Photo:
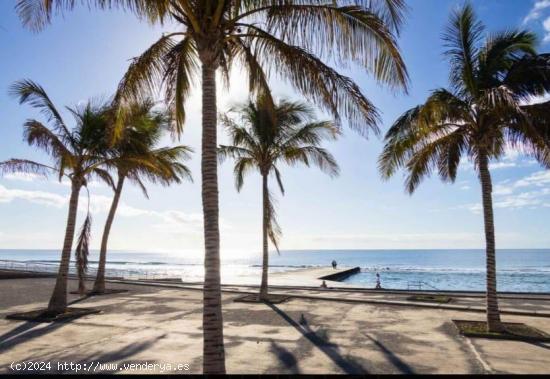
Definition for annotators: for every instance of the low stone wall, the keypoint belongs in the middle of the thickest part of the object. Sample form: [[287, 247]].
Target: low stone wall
[[14, 274], [341, 275]]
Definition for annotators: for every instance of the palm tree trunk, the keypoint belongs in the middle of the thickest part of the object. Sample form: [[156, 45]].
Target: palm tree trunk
[[265, 258], [212, 322], [58, 301], [99, 285], [493, 314]]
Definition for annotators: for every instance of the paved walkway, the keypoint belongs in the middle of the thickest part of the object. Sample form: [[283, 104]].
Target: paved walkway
[[162, 325], [527, 305]]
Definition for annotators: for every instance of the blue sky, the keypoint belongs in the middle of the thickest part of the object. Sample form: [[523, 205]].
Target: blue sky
[[85, 54]]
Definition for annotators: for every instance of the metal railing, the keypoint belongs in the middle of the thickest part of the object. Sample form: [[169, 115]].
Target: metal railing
[[417, 285], [52, 268]]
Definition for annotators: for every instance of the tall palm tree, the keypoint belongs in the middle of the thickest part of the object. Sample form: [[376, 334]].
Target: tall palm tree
[[294, 40], [136, 157], [261, 139], [74, 157], [479, 116]]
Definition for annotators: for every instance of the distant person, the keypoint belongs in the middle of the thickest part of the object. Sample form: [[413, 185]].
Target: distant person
[[324, 284], [334, 264], [378, 285]]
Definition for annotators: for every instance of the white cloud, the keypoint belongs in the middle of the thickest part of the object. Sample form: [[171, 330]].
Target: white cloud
[[546, 26], [38, 197], [537, 10], [23, 176], [170, 220], [511, 158], [531, 191]]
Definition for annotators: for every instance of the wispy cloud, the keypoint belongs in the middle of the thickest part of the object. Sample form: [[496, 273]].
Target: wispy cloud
[[23, 177], [169, 220], [537, 11], [512, 159], [530, 192], [38, 197]]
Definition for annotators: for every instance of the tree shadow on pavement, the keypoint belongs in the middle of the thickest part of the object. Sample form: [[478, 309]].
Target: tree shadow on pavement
[[403, 367], [286, 358], [321, 342]]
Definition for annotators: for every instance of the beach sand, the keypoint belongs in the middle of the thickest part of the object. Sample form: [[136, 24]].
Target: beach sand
[[161, 325]]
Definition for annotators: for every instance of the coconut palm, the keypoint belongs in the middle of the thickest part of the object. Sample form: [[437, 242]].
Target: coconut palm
[[294, 40], [261, 141], [136, 157], [73, 157], [481, 115]]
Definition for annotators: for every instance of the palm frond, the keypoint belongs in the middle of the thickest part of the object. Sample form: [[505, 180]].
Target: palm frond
[[529, 76], [143, 79], [37, 14], [82, 252], [180, 68], [274, 231], [29, 92], [104, 176], [37, 134], [333, 92], [243, 165], [352, 33], [234, 152], [279, 179], [25, 166], [501, 52], [312, 155], [462, 38]]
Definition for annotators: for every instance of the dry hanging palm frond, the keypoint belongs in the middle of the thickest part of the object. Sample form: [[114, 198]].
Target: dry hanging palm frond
[[82, 251], [273, 229]]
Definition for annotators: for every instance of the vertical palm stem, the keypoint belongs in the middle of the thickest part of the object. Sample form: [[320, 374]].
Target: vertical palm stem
[[493, 315], [99, 285], [213, 347], [58, 300], [265, 225]]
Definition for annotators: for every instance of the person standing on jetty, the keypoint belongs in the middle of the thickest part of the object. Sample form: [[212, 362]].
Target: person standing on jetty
[[334, 264]]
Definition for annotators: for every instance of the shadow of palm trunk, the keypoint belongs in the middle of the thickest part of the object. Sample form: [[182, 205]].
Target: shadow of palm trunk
[[329, 349]]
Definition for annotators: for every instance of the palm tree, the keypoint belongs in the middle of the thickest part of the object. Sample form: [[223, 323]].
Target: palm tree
[[260, 142], [478, 117], [135, 157], [74, 157], [291, 39]]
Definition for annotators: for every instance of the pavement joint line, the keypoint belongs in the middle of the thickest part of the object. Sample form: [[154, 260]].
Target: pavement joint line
[[466, 308], [478, 356]]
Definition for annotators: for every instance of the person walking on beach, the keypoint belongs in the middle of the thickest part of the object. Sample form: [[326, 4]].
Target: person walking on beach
[[334, 264], [378, 285]]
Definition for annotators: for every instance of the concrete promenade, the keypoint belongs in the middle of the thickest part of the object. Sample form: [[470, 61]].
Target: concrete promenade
[[156, 328]]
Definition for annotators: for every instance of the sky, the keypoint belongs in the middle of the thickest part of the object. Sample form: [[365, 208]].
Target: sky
[[84, 55]]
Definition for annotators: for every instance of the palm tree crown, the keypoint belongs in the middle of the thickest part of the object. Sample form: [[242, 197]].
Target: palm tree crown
[[74, 153], [481, 113], [260, 142], [136, 157]]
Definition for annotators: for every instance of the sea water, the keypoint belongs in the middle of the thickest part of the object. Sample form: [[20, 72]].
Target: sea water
[[519, 270]]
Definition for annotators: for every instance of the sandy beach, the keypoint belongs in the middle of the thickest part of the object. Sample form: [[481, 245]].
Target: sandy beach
[[155, 329]]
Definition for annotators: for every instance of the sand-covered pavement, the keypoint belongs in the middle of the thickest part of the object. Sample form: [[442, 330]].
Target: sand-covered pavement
[[149, 328]]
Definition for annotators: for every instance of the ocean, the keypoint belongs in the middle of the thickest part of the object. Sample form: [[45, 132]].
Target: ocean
[[518, 270]]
